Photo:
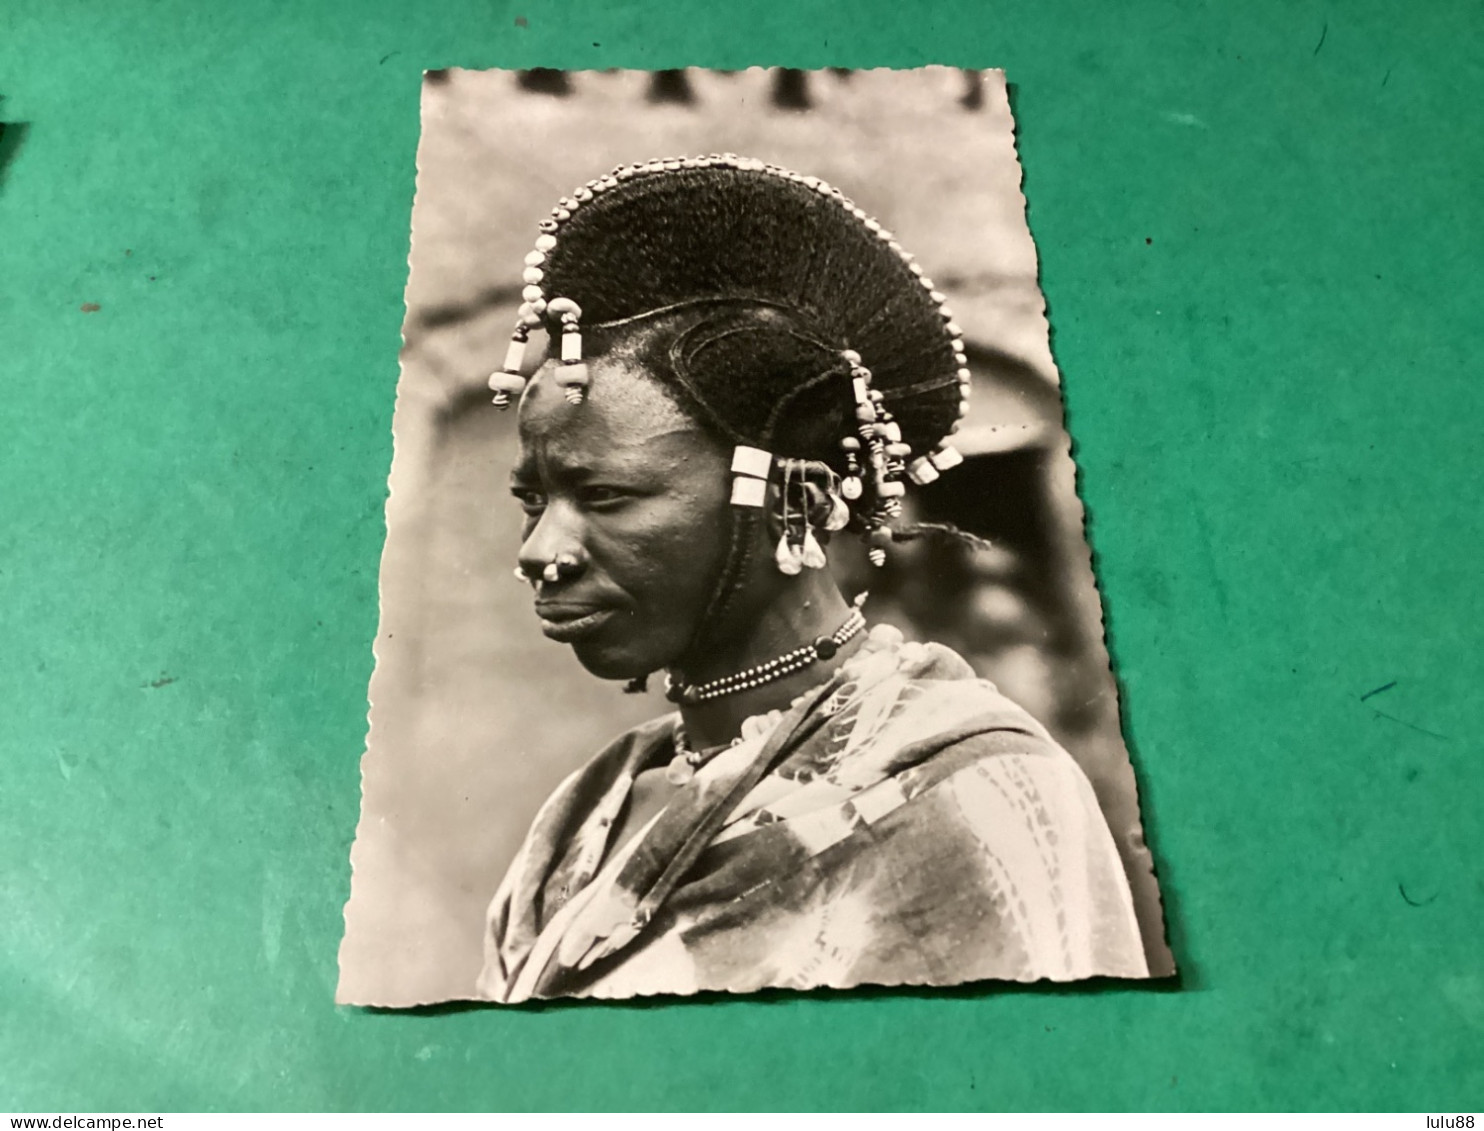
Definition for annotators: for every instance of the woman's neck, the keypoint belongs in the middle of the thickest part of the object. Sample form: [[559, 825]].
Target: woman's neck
[[809, 609]]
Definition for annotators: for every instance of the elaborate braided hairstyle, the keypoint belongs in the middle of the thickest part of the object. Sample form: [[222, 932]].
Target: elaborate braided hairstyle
[[777, 313]]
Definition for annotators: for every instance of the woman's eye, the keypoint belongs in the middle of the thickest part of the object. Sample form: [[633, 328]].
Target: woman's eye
[[532, 502], [599, 494]]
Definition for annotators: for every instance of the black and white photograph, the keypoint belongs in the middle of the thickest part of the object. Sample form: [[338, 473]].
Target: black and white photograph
[[738, 624]]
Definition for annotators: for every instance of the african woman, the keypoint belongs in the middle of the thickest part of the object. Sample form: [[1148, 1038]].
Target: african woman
[[743, 365]]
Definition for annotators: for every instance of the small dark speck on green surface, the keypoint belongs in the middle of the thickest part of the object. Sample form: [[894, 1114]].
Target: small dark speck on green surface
[[521, 21], [1415, 902], [163, 681], [1148, 239], [90, 308]]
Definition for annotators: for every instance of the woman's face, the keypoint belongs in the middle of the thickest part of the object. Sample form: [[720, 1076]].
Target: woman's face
[[634, 499]]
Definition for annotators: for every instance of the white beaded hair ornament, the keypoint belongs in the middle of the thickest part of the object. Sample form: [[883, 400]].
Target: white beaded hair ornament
[[732, 235]]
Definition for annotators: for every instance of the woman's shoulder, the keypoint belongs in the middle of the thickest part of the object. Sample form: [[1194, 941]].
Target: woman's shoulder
[[623, 756], [632, 749], [920, 689]]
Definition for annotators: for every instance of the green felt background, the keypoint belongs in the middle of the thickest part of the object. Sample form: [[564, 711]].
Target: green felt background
[[1261, 237]]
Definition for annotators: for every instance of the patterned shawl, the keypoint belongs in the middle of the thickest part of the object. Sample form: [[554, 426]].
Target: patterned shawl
[[903, 823]]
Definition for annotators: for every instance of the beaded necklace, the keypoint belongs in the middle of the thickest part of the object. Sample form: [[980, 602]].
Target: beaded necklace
[[821, 648]]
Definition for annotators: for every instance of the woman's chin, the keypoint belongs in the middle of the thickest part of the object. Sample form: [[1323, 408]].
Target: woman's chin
[[614, 663]]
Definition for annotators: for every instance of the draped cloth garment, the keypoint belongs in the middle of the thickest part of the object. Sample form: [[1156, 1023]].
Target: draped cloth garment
[[903, 823]]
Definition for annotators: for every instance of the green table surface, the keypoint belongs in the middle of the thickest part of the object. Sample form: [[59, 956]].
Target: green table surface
[[1261, 238]]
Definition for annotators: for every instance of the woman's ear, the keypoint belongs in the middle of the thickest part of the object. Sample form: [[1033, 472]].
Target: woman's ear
[[800, 514], [828, 510], [807, 502]]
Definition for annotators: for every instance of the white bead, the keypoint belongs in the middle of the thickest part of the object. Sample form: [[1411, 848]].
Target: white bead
[[752, 461], [545, 242], [946, 457], [748, 492], [922, 471], [510, 384]]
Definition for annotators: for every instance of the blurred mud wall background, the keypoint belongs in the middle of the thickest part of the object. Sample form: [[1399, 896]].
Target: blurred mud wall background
[[476, 717]]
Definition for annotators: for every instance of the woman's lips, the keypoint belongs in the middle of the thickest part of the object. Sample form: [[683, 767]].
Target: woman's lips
[[567, 623]]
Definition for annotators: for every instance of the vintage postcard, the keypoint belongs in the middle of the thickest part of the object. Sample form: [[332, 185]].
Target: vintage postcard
[[738, 627]]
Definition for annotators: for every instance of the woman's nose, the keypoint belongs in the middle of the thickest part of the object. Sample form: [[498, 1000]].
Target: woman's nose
[[553, 550]]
